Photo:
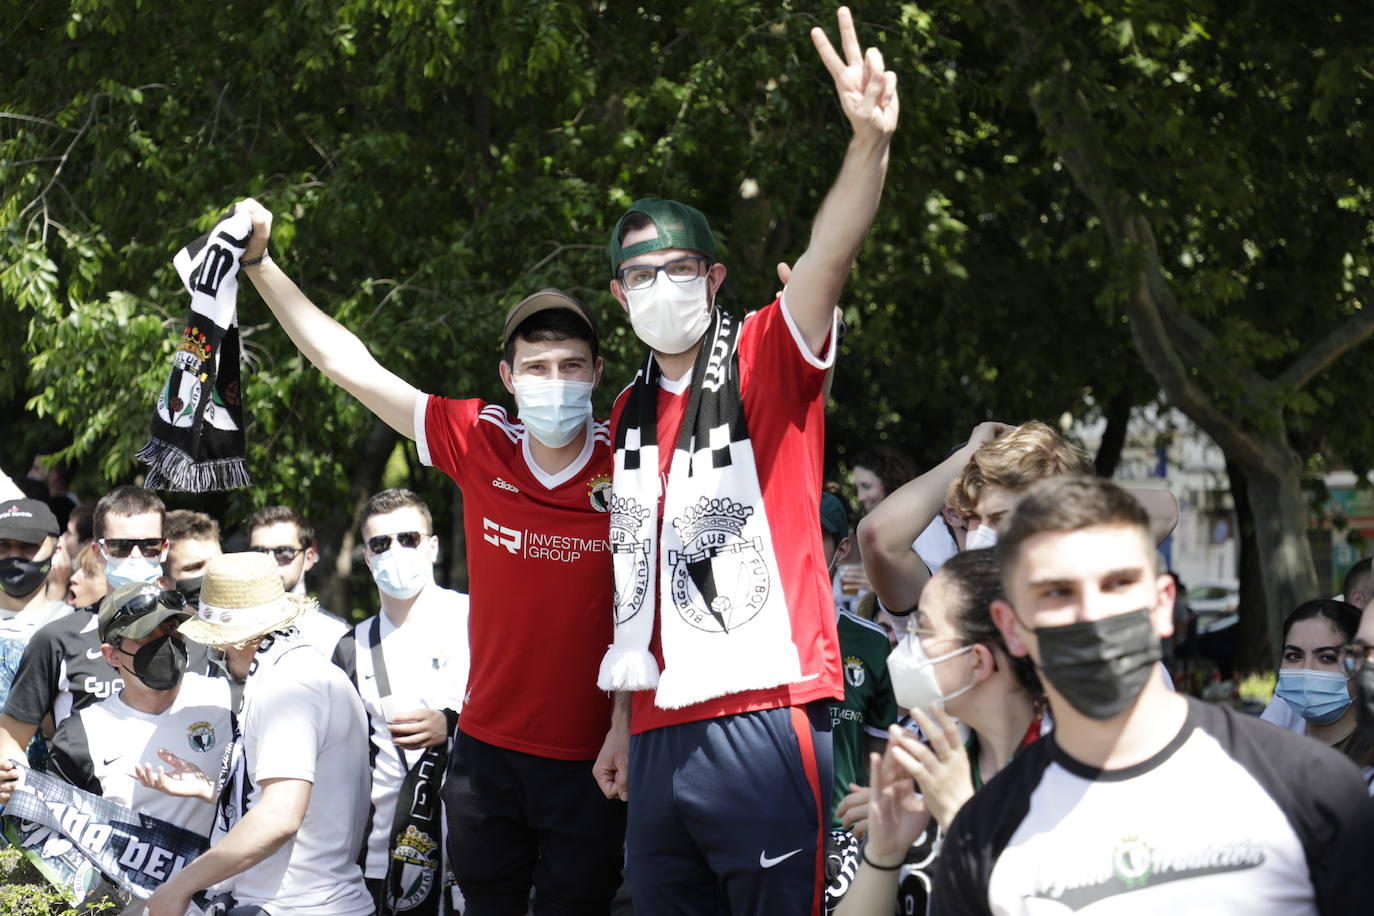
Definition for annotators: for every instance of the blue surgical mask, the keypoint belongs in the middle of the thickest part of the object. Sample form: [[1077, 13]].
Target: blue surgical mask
[[554, 410], [402, 571], [123, 570], [1320, 697]]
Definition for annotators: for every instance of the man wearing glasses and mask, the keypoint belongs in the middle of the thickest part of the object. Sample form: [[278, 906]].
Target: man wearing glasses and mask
[[283, 532], [160, 707]]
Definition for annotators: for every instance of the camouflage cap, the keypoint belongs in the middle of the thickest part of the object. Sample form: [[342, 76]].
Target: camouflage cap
[[678, 225]]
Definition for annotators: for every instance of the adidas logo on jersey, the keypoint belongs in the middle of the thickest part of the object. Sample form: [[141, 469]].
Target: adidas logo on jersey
[[502, 485]]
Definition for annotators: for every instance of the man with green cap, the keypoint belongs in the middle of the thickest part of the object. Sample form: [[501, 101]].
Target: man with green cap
[[724, 622]]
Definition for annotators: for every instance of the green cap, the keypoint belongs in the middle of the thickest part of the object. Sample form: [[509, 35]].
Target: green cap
[[678, 225], [834, 517]]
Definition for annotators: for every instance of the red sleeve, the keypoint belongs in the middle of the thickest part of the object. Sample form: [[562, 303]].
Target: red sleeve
[[772, 347], [444, 431]]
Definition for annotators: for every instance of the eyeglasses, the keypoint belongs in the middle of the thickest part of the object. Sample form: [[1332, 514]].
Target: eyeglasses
[[1355, 654], [382, 542], [679, 270], [123, 547], [284, 554]]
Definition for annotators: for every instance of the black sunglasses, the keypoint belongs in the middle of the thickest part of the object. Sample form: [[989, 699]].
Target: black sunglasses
[[148, 600], [284, 554], [122, 547], [382, 542]]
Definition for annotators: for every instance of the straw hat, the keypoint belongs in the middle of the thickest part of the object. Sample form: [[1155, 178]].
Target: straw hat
[[242, 598]]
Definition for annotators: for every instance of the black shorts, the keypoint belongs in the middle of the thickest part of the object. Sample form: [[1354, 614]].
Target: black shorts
[[517, 821]]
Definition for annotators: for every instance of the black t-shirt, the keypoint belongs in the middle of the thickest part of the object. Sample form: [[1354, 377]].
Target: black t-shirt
[[1232, 815], [62, 670]]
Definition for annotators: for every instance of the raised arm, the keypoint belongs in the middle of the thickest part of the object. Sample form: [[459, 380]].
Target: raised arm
[[897, 572], [330, 347], [868, 95]]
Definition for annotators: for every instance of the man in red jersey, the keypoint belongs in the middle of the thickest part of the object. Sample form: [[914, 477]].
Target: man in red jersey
[[522, 807], [725, 626]]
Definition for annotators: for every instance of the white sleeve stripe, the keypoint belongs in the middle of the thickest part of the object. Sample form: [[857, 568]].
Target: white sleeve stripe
[[824, 362], [421, 440]]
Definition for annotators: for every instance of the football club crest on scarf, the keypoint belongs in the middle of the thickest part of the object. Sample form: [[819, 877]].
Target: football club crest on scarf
[[196, 442]]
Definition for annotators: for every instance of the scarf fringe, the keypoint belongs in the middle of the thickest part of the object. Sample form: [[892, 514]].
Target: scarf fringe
[[171, 468], [628, 668]]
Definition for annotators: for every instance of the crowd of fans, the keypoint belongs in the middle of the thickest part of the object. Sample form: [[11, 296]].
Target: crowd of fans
[[671, 670]]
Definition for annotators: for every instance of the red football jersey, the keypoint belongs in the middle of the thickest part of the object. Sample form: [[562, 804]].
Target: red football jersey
[[780, 381], [539, 578]]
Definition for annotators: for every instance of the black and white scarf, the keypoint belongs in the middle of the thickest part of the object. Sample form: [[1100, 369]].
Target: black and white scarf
[[196, 442], [724, 625]]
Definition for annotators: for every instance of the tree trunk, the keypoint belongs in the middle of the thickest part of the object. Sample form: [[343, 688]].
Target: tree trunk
[[1253, 628], [338, 532], [1118, 415]]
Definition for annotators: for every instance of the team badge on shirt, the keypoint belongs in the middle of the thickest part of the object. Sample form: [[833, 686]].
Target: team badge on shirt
[[201, 736], [719, 579], [854, 671], [599, 492]]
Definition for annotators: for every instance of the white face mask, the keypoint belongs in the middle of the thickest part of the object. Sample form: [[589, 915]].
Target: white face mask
[[913, 674], [553, 410], [670, 317], [121, 571], [981, 538], [402, 571]]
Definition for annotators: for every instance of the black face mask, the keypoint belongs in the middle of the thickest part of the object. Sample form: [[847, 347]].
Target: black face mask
[[21, 578], [1364, 697], [161, 663], [190, 589], [1100, 666]]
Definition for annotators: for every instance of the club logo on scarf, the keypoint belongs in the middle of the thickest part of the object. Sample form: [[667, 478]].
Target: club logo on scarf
[[629, 557], [415, 852], [719, 579], [201, 736], [599, 492], [854, 671]]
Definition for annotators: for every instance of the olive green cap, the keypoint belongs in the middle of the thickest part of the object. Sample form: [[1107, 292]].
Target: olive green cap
[[678, 225]]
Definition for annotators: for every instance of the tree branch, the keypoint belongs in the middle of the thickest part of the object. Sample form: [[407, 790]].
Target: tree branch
[[1355, 331]]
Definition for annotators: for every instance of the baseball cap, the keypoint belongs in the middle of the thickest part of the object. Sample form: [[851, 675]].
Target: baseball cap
[[27, 520], [136, 609], [834, 517], [678, 225], [548, 298]]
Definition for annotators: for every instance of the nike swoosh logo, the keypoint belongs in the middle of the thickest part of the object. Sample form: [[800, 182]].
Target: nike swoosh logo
[[765, 862], [93, 653], [112, 759]]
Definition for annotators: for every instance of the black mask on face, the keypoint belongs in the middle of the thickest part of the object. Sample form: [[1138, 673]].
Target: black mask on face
[[1364, 697], [161, 663], [190, 589], [1100, 666], [21, 578]]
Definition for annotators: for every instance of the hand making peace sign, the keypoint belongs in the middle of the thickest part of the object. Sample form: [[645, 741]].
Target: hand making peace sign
[[868, 92]]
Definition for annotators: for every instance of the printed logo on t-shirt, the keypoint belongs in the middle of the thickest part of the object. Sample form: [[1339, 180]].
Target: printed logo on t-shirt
[[854, 671], [500, 484], [599, 492], [1135, 864], [201, 736], [720, 579], [536, 545]]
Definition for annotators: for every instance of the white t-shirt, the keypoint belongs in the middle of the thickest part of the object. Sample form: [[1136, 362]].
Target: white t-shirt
[[321, 630], [1281, 714], [427, 668], [22, 624], [302, 719], [935, 545], [96, 748]]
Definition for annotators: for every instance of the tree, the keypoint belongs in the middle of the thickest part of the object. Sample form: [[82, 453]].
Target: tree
[[1220, 154]]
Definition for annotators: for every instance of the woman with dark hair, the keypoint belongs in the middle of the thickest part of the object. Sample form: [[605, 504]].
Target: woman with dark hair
[[1312, 680], [953, 662]]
